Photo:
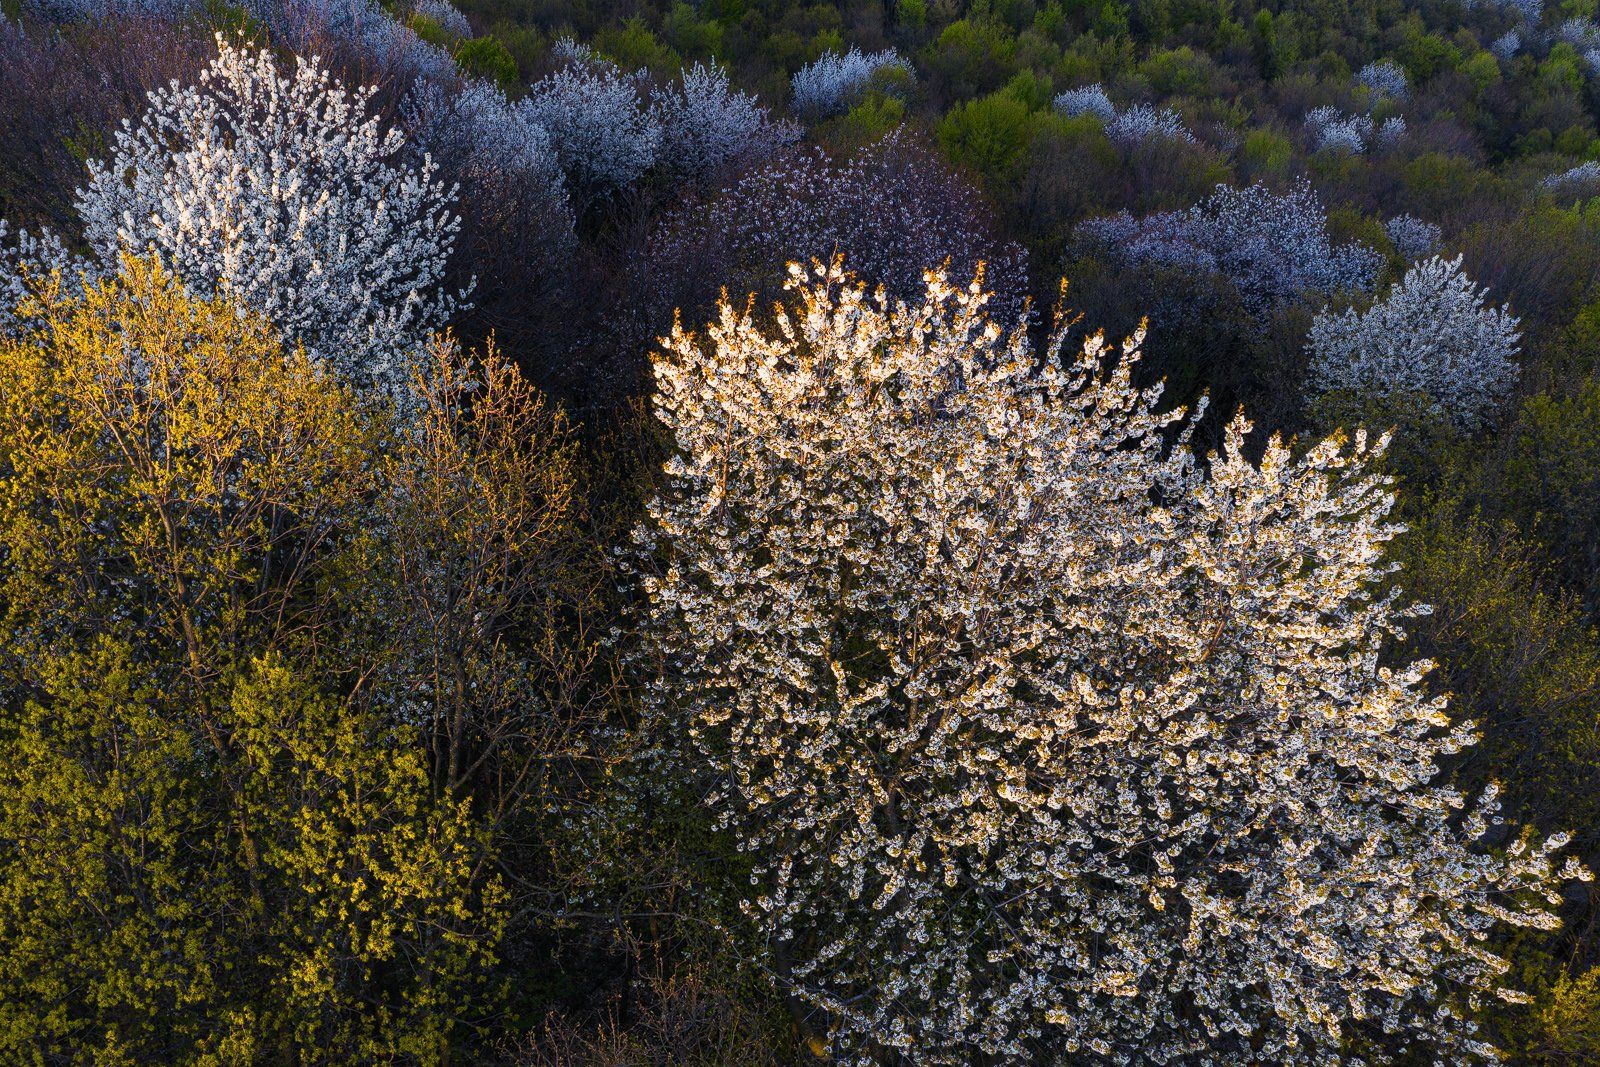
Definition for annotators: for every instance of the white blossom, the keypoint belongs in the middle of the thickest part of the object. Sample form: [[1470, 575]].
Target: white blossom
[[1274, 248], [1087, 100], [601, 133], [495, 149], [1586, 173], [1580, 33], [1332, 130], [568, 50], [1141, 122], [1531, 11], [284, 191], [446, 14], [1046, 742], [1385, 77], [361, 27], [835, 82], [1390, 133], [707, 125], [28, 262], [1431, 335], [1507, 45], [1414, 238]]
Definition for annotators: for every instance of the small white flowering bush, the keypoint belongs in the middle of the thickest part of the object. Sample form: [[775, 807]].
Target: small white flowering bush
[[602, 134], [835, 82], [568, 50], [499, 155], [1390, 133], [706, 125], [1506, 46], [1332, 130], [1414, 238], [1088, 100], [482, 134], [1048, 743], [446, 14], [285, 192], [1141, 123], [1431, 335], [1530, 11], [1385, 77], [1584, 174]]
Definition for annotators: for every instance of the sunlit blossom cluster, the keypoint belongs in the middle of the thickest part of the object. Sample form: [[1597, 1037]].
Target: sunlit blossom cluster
[[285, 191], [29, 262], [1047, 742]]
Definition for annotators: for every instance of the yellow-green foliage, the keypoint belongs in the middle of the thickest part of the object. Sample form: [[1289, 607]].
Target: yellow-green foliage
[[257, 677]]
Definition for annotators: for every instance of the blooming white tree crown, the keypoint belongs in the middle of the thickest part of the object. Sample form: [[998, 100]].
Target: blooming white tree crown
[[1414, 238], [836, 80], [1049, 743], [1274, 247], [1086, 100], [284, 191], [1332, 130], [1385, 77], [1141, 122], [707, 125], [601, 132], [1432, 335]]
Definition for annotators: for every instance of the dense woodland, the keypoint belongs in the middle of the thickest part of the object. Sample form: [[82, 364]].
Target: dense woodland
[[574, 533]]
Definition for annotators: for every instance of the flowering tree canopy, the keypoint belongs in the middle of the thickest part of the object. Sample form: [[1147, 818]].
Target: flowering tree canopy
[[1047, 742], [1414, 238], [1141, 122], [1332, 130], [600, 131], [833, 83], [283, 191], [1385, 77], [706, 125], [1274, 247], [446, 14], [1087, 100], [358, 36], [1432, 335]]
